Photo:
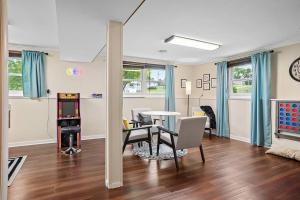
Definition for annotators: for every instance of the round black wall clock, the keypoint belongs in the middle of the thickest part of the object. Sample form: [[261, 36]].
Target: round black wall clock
[[295, 70]]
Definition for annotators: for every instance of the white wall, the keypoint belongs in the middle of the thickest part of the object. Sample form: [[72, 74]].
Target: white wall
[[34, 121], [283, 87], [29, 117]]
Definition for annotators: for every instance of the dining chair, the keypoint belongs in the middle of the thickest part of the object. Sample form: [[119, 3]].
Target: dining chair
[[136, 116], [136, 135], [140, 120], [189, 133]]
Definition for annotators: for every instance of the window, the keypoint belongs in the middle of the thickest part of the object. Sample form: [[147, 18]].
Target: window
[[143, 80], [240, 77], [132, 81], [15, 84], [155, 81]]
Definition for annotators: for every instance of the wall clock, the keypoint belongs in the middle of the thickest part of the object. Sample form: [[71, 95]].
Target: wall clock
[[295, 70]]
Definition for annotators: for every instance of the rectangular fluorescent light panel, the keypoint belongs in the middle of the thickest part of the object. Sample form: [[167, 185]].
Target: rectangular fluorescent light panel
[[191, 43]]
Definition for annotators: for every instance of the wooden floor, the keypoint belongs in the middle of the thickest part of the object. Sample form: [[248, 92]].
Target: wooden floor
[[233, 170]]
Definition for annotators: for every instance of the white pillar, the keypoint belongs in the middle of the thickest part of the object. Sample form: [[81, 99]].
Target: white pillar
[[114, 108], [3, 101]]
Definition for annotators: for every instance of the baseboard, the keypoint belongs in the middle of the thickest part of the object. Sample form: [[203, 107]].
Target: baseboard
[[49, 141], [92, 137], [239, 138], [32, 142], [113, 185]]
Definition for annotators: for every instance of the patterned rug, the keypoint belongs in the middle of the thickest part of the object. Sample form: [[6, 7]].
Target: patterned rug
[[165, 152], [14, 165]]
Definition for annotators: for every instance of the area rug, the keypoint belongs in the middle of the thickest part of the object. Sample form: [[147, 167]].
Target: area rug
[[165, 152], [14, 165]]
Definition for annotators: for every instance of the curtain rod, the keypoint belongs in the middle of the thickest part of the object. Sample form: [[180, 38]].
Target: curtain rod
[[19, 53], [129, 63], [247, 57]]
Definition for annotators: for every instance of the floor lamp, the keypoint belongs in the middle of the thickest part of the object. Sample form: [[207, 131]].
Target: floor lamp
[[188, 92]]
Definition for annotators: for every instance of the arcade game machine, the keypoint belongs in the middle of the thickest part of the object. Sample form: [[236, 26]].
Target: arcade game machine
[[68, 123]]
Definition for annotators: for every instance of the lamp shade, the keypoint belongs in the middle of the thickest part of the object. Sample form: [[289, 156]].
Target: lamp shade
[[188, 88]]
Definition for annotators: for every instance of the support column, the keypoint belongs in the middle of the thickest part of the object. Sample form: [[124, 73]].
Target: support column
[[114, 108], [3, 101]]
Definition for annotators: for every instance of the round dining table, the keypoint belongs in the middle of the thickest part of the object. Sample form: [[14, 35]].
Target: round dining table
[[160, 114]]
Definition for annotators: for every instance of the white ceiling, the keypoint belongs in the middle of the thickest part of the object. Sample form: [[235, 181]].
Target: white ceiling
[[239, 25], [82, 26], [32, 22], [77, 27]]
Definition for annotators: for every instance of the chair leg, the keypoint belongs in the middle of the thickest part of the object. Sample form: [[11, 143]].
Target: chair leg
[[125, 142], [158, 143], [150, 147], [175, 158], [202, 153], [124, 146], [174, 151], [209, 133]]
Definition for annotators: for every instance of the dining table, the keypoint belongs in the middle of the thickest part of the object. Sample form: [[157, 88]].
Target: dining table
[[160, 114]]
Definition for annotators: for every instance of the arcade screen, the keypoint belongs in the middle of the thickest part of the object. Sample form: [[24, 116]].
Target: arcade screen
[[68, 109]]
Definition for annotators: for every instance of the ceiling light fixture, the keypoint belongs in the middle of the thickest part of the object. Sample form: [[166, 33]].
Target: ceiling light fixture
[[183, 41]]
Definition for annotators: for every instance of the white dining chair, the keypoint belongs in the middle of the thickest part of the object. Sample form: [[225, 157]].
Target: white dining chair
[[189, 134]]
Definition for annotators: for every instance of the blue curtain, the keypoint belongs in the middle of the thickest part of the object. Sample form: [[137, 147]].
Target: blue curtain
[[222, 100], [260, 99], [33, 74], [170, 122]]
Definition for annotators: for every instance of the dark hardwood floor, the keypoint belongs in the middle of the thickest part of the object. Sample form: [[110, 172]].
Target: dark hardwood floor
[[233, 170]]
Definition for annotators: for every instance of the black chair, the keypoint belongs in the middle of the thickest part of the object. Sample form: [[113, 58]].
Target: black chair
[[71, 131], [212, 118], [138, 135]]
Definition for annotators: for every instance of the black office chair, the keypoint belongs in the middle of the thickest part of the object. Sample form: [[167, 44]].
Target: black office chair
[[209, 112]]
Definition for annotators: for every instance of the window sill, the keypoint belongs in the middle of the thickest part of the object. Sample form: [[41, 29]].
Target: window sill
[[246, 98], [144, 96]]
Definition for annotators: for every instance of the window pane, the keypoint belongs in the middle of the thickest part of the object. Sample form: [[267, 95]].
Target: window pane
[[241, 86], [132, 74], [155, 88], [132, 87], [15, 66], [242, 72], [241, 79], [155, 81], [15, 84]]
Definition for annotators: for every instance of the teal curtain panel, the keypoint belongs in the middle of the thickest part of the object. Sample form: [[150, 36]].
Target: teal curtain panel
[[222, 100], [33, 74], [170, 122], [260, 99]]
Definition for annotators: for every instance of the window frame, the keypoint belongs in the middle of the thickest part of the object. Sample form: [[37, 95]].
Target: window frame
[[140, 80], [14, 93], [230, 81], [144, 81]]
